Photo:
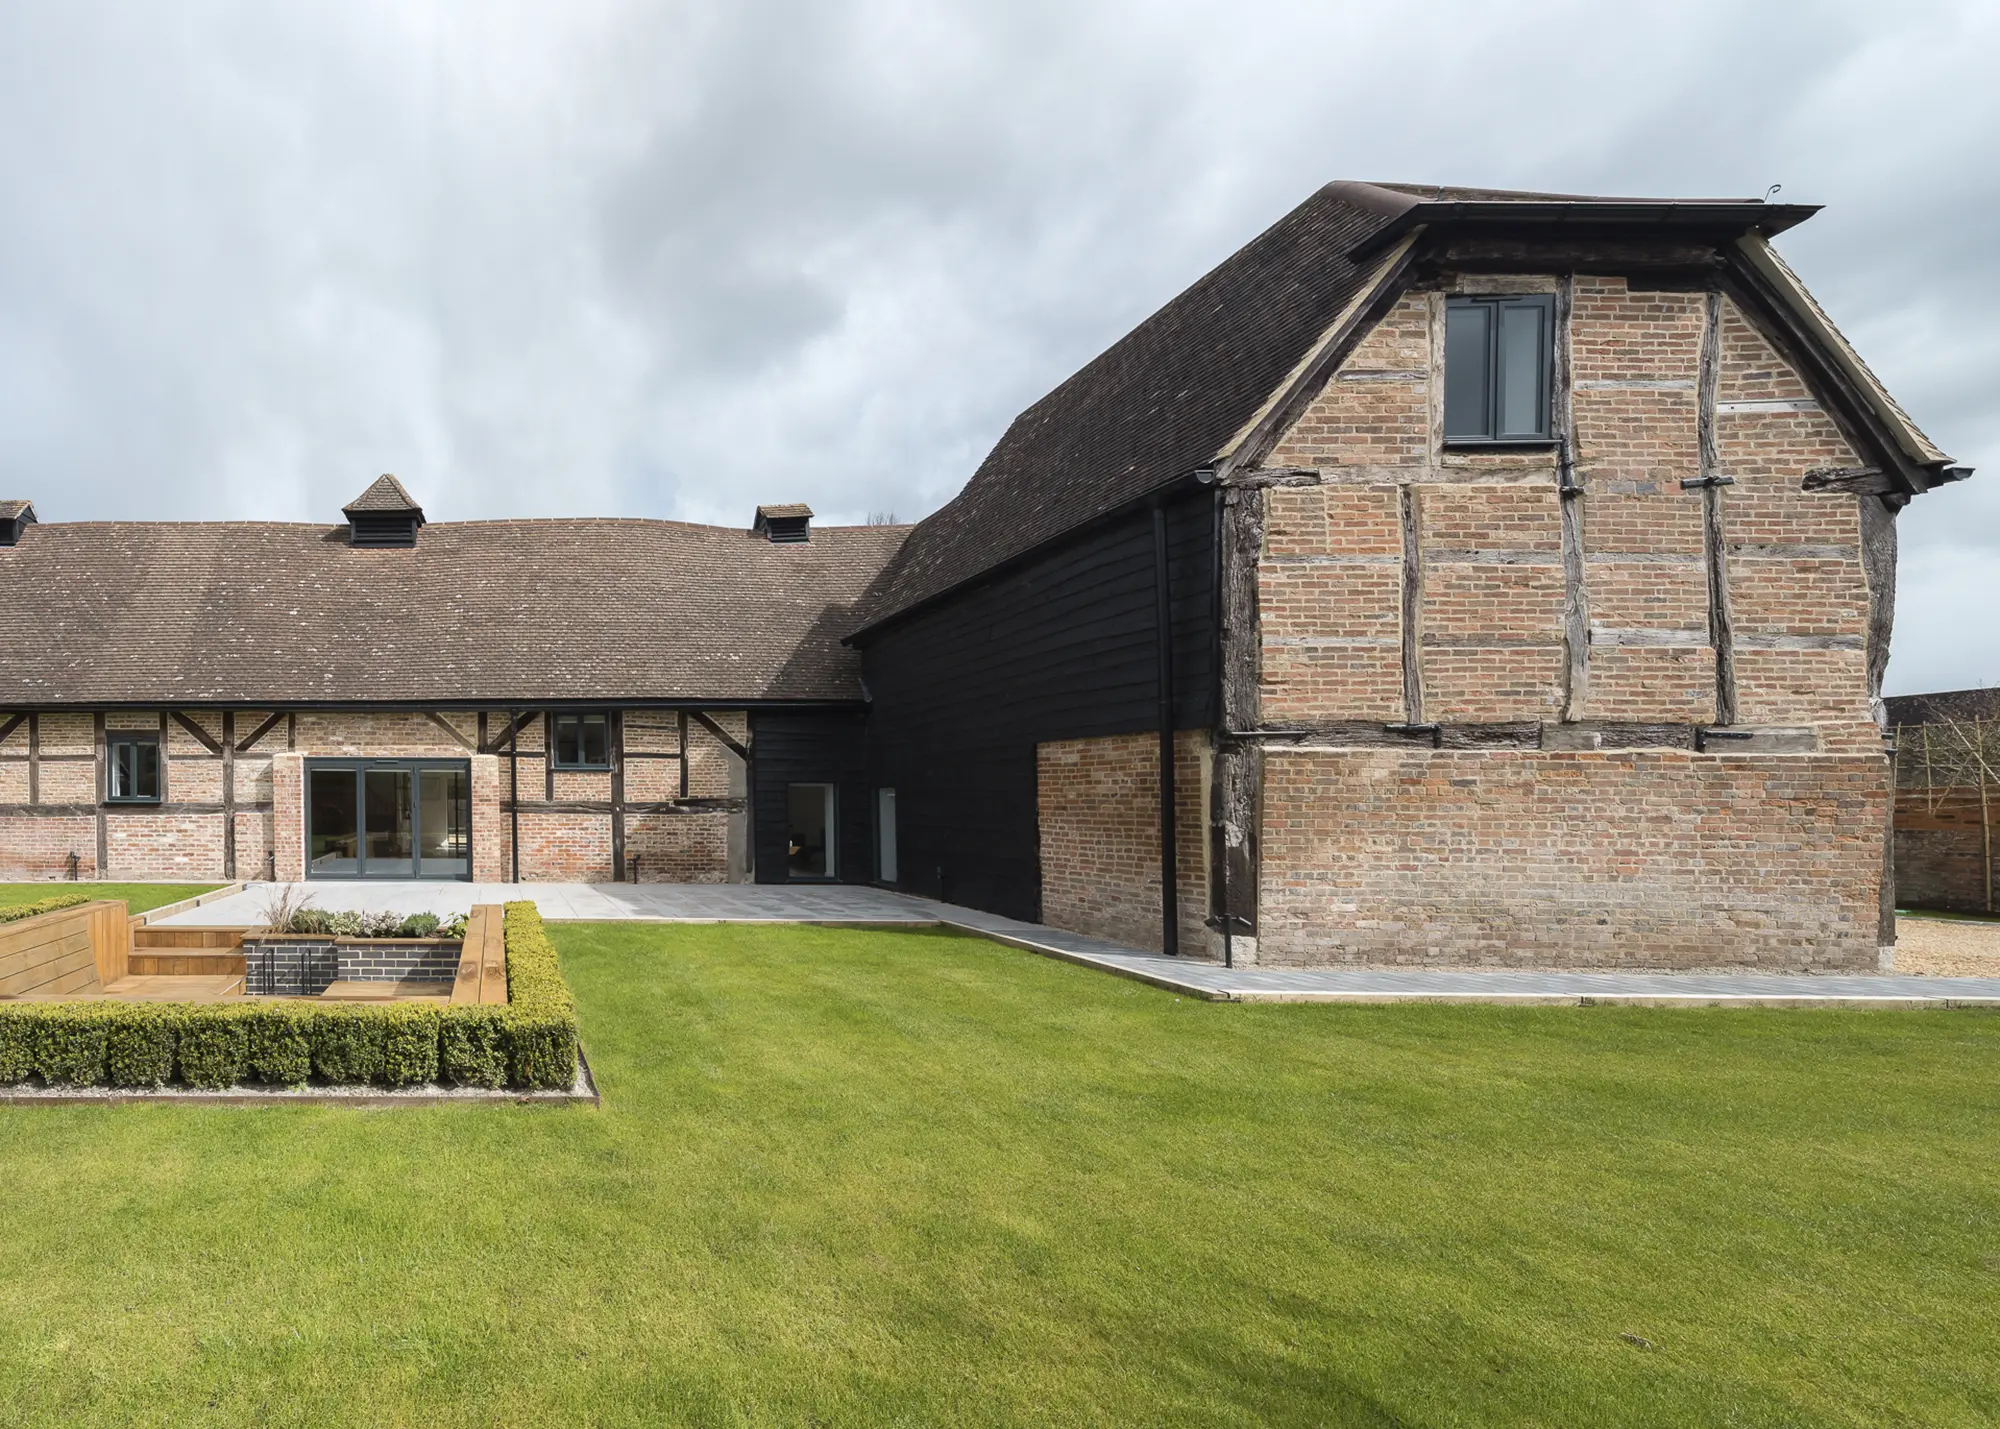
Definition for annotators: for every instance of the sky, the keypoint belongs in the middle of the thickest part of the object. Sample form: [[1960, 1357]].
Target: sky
[[674, 260]]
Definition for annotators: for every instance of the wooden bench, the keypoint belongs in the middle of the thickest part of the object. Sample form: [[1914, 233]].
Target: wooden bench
[[482, 961]]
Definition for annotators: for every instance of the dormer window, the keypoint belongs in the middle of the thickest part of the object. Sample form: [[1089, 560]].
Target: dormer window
[[15, 517], [383, 515], [1498, 357], [784, 525]]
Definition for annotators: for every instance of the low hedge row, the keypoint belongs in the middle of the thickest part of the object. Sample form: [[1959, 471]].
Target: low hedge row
[[17, 911], [529, 1042]]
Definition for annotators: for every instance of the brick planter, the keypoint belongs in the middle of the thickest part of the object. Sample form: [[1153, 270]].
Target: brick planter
[[303, 964]]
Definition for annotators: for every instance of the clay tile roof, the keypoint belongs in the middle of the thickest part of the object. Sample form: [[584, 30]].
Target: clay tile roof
[[1170, 396], [782, 513], [384, 495], [254, 613], [15, 510]]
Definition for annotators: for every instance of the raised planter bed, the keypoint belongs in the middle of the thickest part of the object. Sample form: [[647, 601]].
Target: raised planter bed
[[306, 964]]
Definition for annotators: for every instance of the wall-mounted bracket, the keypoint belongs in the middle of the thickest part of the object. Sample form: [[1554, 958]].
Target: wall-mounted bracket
[[1697, 483], [1702, 735]]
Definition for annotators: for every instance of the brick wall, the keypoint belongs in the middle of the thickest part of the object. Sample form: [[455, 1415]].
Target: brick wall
[[1639, 860], [1525, 854], [1941, 848], [184, 838], [1099, 805]]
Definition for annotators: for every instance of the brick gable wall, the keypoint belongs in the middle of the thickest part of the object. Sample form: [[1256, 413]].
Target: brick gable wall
[[1521, 855]]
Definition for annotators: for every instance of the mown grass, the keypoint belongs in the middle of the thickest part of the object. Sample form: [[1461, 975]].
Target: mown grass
[[139, 897], [873, 1178]]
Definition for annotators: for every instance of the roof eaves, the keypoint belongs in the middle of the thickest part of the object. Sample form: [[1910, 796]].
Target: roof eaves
[[1741, 215], [1805, 309], [1255, 437]]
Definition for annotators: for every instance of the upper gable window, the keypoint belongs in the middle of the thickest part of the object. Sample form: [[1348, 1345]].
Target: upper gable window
[[1498, 354]]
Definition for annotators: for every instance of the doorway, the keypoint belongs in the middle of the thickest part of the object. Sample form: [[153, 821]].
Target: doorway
[[388, 818]]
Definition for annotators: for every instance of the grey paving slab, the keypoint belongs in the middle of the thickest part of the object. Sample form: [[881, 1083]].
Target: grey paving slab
[[666, 902], [841, 903]]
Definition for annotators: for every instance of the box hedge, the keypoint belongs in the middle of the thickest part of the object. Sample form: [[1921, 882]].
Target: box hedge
[[528, 1042]]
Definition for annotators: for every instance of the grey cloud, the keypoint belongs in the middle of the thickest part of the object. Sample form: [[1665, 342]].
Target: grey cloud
[[677, 259]]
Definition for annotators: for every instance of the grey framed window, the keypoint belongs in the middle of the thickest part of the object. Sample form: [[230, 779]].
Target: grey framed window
[[885, 835], [583, 741], [132, 769], [1498, 362]]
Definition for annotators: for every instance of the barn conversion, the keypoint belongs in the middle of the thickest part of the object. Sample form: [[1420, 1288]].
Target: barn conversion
[[1449, 576]]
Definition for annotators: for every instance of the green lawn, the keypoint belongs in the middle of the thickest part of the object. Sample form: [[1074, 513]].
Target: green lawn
[[874, 1178], [139, 896]]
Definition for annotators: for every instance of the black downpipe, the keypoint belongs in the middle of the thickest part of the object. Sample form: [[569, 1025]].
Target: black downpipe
[[514, 788], [1218, 835], [1163, 634]]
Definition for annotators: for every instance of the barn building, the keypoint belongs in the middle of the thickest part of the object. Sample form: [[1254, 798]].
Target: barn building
[[1450, 576]]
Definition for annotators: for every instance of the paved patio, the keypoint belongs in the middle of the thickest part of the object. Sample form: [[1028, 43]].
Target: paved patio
[[846, 904]]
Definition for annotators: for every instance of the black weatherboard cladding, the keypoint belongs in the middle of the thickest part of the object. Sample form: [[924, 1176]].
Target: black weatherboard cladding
[[1062, 648], [805, 748]]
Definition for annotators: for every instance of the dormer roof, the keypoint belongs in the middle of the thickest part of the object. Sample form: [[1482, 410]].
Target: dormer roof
[[385, 497]]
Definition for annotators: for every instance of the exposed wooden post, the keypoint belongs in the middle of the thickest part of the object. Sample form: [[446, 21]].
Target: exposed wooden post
[[1721, 633], [97, 747], [34, 759], [229, 794], [1569, 492], [615, 737], [1413, 603]]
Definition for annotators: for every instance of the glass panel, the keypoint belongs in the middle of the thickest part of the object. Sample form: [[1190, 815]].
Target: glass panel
[[331, 815], [885, 835], [596, 740], [444, 826], [811, 820], [145, 769], [1466, 380], [567, 742], [387, 817], [1524, 408], [133, 770]]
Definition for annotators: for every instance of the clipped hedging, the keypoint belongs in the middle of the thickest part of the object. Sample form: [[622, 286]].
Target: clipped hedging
[[15, 912], [529, 1042]]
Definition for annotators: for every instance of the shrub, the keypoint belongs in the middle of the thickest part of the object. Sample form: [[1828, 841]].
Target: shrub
[[541, 1016], [14, 913], [280, 1041], [17, 1043], [139, 1045], [348, 1043], [69, 1042], [214, 1047], [472, 1046], [310, 920], [418, 925], [409, 1044], [453, 928]]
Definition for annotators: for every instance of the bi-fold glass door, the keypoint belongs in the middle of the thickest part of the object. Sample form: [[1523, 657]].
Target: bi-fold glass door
[[388, 818]]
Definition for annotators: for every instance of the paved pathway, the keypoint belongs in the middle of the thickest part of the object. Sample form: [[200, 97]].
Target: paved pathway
[[792, 903]]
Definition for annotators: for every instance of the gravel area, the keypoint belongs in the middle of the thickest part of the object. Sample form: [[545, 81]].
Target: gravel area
[[1947, 947]]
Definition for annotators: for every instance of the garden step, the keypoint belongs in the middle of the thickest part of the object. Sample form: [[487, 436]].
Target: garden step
[[157, 937], [168, 962]]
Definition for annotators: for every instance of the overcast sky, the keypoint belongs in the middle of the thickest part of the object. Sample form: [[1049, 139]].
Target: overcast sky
[[674, 260]]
